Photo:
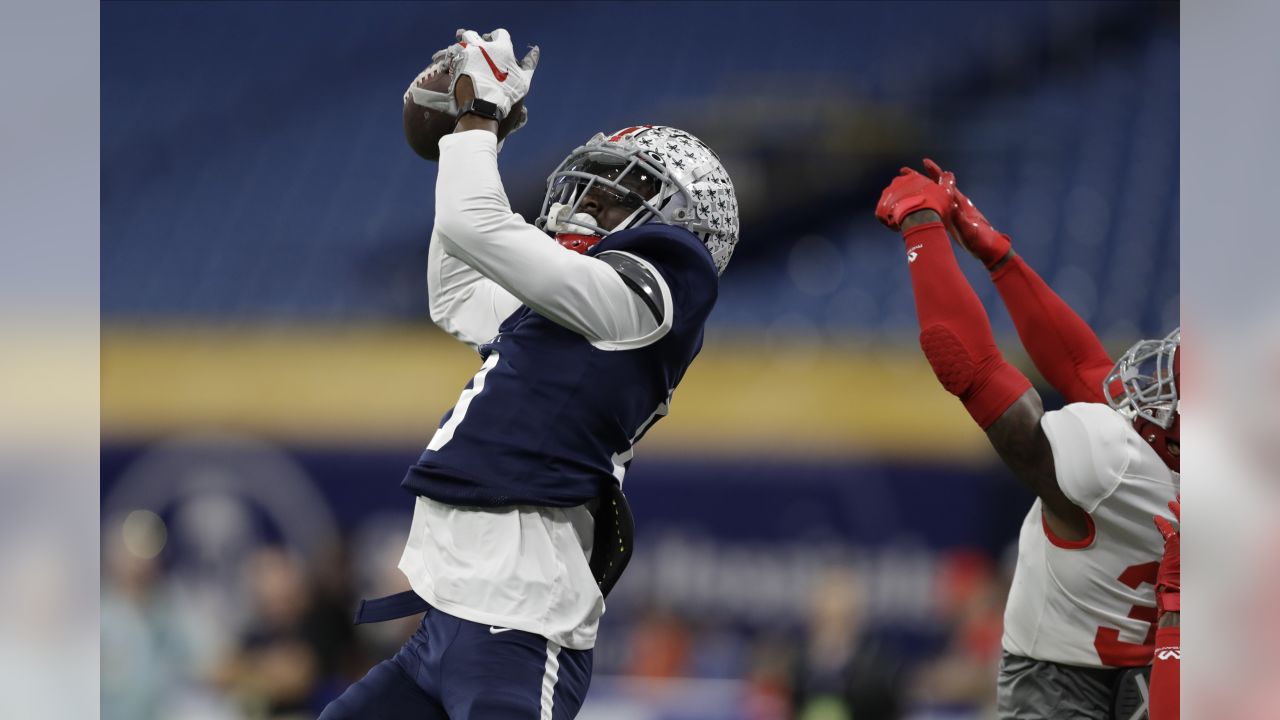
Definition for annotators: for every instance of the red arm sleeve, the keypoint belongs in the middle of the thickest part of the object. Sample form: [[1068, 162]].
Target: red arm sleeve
[[1164, 674], [1063, 348], [954, 331]]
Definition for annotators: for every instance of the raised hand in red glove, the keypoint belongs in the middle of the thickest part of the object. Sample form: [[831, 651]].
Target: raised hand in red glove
[[908, 193], [967, 224], [1169, 579]]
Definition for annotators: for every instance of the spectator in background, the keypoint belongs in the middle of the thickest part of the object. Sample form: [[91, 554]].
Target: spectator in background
[[143, 653], [959, 682], [768, 675], [659, 646], [843, 671], [289, 643], [343, 658]]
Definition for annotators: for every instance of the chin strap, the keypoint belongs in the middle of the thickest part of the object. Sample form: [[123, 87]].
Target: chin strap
[[1159, 439], [575, 236], [578, 243]]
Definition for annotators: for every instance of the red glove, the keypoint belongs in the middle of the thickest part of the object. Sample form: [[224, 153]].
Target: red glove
[[1169, 580], [969, 226], [908, 193]]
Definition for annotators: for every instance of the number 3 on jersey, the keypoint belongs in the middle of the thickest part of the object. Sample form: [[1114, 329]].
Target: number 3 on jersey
[[1111, 649]]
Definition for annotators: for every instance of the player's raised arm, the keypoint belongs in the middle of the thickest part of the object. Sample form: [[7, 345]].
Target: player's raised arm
[[1063, 347], [464, 303], [475, 221], [957, 340]]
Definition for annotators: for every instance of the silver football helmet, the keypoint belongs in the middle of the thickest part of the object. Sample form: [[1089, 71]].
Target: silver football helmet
[[667, 175], [1143, 385]]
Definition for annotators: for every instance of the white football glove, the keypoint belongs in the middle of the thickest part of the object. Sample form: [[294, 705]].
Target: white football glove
[[490, 62], [440, 101], [444, 101]]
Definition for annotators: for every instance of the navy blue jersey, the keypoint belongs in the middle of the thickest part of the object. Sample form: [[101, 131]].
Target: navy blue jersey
[[550, 418]]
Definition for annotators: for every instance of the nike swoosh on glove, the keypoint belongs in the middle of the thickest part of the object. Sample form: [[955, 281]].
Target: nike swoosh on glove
[[490, 62]]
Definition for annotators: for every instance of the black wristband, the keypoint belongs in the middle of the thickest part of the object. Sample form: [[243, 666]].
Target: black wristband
[[483, 108]]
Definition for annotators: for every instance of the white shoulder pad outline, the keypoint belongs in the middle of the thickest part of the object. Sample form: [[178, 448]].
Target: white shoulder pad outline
[[654, 299], [1093, 446]]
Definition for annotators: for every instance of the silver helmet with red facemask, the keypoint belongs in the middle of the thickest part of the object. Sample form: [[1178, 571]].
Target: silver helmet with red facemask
[[663, 175], [1143, 386]]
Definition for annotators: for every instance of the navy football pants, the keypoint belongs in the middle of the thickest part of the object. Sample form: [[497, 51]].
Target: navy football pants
[[453, 669]]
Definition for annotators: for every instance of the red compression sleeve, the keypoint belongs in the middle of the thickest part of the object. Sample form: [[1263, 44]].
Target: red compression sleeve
[[1164, 674], [954, 331], [1064, 349]]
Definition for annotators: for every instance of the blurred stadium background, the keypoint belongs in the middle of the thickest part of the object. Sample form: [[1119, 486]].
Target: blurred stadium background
[[822, 533]]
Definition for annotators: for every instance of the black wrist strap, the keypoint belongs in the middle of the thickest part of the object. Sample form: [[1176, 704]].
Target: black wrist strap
[[483, 108]]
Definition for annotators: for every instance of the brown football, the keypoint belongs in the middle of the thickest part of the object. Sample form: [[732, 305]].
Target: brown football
[[423, 128]]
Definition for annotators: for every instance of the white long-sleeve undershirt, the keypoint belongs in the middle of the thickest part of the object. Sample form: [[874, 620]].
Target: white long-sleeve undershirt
[[464, 303], [485, 261]]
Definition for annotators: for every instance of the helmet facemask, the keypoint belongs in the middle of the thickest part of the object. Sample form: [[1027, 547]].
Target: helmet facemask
[[1143, 386], [615, 178]]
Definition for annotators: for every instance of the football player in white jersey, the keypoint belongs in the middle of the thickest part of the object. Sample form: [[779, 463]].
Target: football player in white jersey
[[585, 322], [1082, 608]]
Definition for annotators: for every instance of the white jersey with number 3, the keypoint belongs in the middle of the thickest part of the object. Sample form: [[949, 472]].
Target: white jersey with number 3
[[1092, 602]]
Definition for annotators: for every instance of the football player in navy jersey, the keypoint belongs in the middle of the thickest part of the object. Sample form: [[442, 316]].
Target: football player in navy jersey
[[585, 323]]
